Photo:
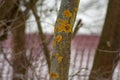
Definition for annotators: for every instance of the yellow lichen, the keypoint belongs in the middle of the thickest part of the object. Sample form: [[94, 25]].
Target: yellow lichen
[[57, 55], [58, 38], [60, 58], [67, 28], [54, 75], [76, 9], [60, 29], [64, 26], [62, 21], [67, 13]]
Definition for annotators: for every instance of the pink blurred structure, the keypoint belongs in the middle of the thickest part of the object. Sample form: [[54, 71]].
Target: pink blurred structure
[[82, 55]]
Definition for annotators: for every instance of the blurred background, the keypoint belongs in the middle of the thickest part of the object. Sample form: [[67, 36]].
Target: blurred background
[[91, 12], [24, 23]]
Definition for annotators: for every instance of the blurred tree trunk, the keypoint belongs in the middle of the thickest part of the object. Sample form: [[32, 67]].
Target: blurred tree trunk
[[107, 53], [19, 59], [12, 17], [62, 40]]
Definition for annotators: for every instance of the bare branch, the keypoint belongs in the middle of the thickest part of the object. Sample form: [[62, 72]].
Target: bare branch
[[42, 36], [77, 27]]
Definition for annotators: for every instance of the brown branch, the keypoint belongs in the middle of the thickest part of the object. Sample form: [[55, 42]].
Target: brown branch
[[78, 73], [77, 27], [42, 36], [5, 56]]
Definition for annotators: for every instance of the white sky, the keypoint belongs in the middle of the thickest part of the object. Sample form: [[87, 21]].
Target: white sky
[[92, 17]]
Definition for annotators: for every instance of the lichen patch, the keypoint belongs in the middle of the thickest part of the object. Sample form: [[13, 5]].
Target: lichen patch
[[67, 13], [54, 75], [58, 38]]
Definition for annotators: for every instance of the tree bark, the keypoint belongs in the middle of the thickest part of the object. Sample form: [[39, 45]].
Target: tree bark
[[12, 17], [7, 9], [108, 49], [19, 58], [62, 40]]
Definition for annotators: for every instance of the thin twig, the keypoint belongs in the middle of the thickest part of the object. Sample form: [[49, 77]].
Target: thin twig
[[42, 37], [77, 27], [5, 56]]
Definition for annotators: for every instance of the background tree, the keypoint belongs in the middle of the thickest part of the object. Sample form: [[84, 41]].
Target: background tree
[[62, 40], [107, 52], [13, 19], [19, 58]]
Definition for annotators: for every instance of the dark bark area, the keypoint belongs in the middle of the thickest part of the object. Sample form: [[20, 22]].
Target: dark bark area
[[7, 9], [109, 46], [12, 19], [19, 59]]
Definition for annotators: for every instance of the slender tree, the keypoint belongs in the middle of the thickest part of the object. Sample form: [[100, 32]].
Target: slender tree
[[13, 18], [62, 40], [19, 59], [107, 53], [41, 34], [9, 20]]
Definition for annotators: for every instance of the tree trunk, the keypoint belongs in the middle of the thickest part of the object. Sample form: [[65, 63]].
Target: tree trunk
[[12, 17], [19, 59], [107, 53], [62, 40]]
